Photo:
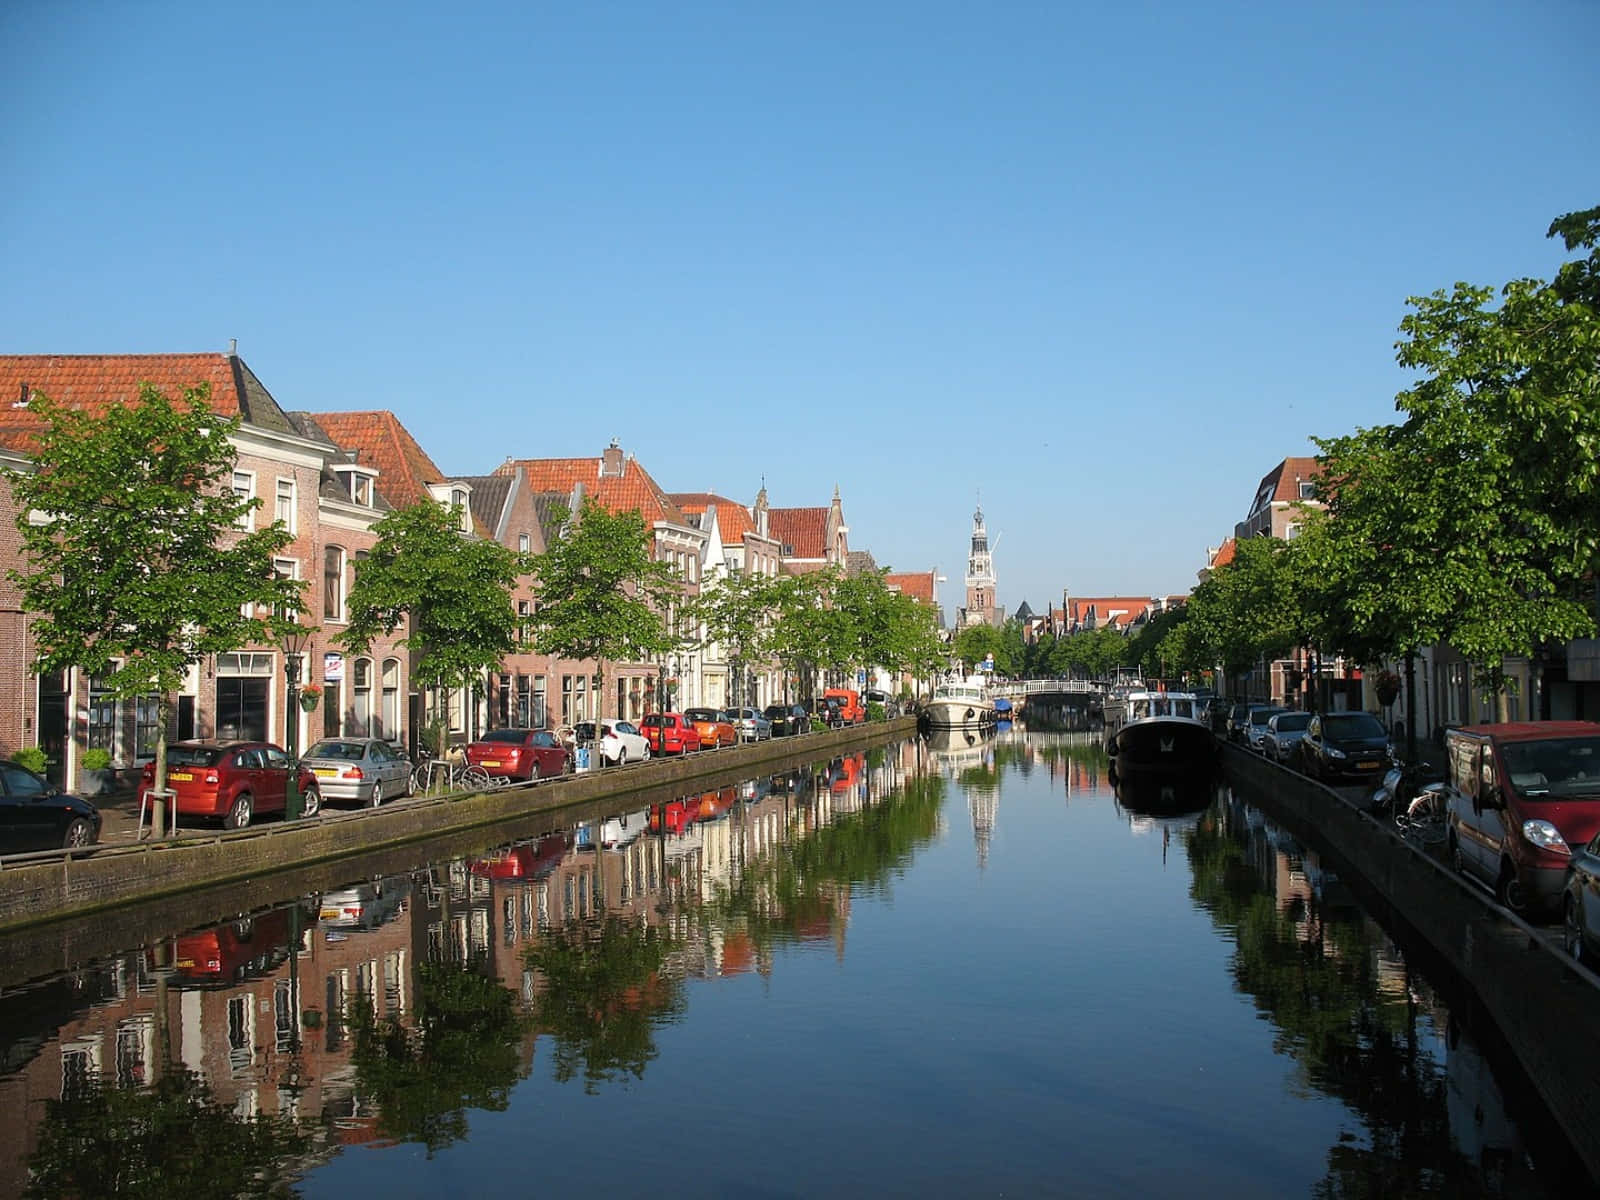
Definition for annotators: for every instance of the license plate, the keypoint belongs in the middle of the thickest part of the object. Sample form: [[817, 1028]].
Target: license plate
[[490, 762], [1368, 766], [324, 772], [328, 914], [180, 776], [186, 964]]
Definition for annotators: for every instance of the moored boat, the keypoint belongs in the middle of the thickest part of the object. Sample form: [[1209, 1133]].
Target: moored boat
[[1156, 730], [960, 706]]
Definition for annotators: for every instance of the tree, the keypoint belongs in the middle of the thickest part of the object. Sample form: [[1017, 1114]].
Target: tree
[[603, 596], [801, 630], [735, 612], [455, 589], [1248, 610], [142, 567]]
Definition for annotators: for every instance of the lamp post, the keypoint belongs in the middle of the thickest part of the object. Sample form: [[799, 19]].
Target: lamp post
[[293, 643]]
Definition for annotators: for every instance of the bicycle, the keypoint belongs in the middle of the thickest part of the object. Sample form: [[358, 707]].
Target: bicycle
[[456, 774]]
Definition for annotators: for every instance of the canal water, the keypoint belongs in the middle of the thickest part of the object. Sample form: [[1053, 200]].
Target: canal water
[[964, 967]]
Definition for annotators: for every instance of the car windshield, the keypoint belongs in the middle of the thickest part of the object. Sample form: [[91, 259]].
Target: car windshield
[[702, 714], [1293, 722], [1261, 716], [1557, 767], [1352, 725], [505, 735], [194, 756], [342, 750], [583, 730]]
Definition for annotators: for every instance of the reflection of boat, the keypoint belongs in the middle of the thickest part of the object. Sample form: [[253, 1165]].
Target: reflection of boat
[[1002, 708], [1160, 731], [959, 706], [1163, 794]]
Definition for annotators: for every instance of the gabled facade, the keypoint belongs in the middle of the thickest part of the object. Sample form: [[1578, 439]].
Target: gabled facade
[[811, 539], [1280, 500]]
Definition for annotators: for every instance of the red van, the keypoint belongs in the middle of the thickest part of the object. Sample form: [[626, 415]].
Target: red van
[[1521, 797], [850, 706]]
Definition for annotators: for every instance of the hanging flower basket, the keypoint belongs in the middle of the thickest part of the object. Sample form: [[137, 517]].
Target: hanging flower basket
[[309, 695]]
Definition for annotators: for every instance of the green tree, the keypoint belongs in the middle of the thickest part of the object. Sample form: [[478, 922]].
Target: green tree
[[1249, 609], [801, 629], [736, 613], [975, 643], [603, 594], [140, 568], [1091, 653], [1148, 648], [454, 588]]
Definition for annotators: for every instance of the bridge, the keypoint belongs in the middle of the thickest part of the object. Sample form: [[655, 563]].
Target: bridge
[[1021, 689]]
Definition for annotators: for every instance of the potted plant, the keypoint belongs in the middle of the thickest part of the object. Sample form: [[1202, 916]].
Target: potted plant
[[309, 695], [95, 771], [32, 758]]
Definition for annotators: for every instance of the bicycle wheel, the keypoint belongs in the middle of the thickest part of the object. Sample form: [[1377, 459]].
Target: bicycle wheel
[[475, 777], [420, 780]]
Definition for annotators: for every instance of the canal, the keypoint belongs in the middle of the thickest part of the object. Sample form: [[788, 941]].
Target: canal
[[931, 969]]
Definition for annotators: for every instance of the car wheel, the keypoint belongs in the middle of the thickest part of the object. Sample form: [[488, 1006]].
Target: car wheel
[[622, 757], [79, 832], [1572, 929], [1509, 891], [239, 812], [377, 794], [311, 802]]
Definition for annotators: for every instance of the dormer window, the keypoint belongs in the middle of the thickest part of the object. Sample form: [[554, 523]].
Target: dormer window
[[1308, 490], [357, 483], [457, 498]]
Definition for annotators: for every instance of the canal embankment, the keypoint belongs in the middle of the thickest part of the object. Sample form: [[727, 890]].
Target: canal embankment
[[42, 889], [1543, 1004]]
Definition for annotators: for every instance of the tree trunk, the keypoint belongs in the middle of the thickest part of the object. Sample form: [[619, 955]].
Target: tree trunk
[[1502, 694], [158, 803]]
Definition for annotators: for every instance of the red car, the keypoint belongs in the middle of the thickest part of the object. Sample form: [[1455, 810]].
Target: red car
[[669, 733], [232, 780], [519, 754]]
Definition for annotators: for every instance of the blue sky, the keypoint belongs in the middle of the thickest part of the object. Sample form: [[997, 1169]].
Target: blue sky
[[1106, 264]]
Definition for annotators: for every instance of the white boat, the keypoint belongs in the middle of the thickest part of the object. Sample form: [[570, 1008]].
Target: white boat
[[960, 706]]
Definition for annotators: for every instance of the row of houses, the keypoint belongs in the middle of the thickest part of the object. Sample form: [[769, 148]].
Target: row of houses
[[330, 477]]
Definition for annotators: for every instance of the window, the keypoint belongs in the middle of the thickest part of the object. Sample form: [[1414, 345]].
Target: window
[[332, 708], [244, 487], [567, 691], [541, 711], [1291, 531], [1308, 490], [458, 503], [361, 697], [285, 507], [361, 489], [102, 731], [524, 625], [333, 584], [146, 726], [524, 543], [389, 708]]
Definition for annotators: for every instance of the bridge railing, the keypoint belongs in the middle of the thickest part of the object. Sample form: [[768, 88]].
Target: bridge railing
[[1047, 687]]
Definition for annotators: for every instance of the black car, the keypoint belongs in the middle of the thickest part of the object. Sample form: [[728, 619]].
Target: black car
[[787, 719], [37, 815], [1344, 746]]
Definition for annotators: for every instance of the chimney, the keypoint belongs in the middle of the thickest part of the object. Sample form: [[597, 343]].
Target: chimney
[[233, 347], [23, 401], [611, 461]]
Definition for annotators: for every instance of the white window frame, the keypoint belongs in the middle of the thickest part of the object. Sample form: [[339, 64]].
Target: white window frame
[[342, 598], [244, 487], [286, 500]]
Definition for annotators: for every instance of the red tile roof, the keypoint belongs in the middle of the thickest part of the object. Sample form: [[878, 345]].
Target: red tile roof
[[93, 382], [633, 490], [1126, 609], [381, 441], [733, 519], [803, 529], [916, 584], [1223, 556]]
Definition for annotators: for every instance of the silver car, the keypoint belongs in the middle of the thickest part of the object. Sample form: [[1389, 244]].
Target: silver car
[[750, 724], [1282, 738], [364, 770]]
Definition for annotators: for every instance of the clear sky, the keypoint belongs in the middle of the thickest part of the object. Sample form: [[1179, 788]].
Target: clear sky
[[1104, 263]]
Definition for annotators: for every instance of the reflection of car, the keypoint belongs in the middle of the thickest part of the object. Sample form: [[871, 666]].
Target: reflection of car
[[519, 754], [525, 861], [751, 724], [671, 817], [708, 806], [787, 719], [1345, 746], [670, 733], [244, 948], [1284, 731], [713, 727], [364, 770], [233, 780], [1580, 907], [1520, 797], [37, 815], [365, 905], [620, 741]]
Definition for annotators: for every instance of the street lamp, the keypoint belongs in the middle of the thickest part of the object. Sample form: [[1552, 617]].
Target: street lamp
[[292, 641]]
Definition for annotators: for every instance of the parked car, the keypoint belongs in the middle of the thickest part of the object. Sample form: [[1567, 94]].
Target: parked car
[[233, 781], [670, 733], [1580, 906], [1519, 798], [37, 815], [620, 741], [787, 719], [713, 727], [1351, 747], [850, 707], [1237, 719], [520, 754], [1284, 731], [750, 724], [1255, 732], [828, 711], [366, 771]]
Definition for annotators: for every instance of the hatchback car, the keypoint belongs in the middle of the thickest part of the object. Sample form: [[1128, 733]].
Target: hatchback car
[[365, 771], [1345, 747], [37, 815], [1237, 719], [787, 719], [1284, 731], [519, 754], [750, 724], [713, 727], [233, 781], [1255, 730], [620, 741], [670, 733]]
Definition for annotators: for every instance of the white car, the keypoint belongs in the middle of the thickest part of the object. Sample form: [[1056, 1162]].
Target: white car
[[620, 741]]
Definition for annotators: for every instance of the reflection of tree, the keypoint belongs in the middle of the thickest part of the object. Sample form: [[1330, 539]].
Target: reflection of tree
[[170, 1139], [1089, 751], [459, 1051], [1315, 975], [604, 995]]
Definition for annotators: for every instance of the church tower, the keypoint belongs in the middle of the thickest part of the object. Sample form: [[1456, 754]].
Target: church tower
[[981, 608]]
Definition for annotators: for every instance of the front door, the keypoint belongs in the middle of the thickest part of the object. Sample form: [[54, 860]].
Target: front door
[[53, 725]]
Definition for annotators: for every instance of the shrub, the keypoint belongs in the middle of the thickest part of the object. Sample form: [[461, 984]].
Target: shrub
[[96, 758], [875, 711], [31, 757], [818, 725]]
